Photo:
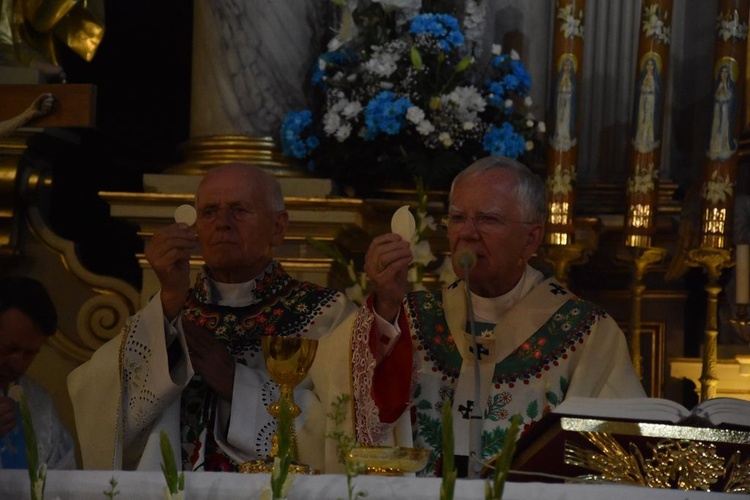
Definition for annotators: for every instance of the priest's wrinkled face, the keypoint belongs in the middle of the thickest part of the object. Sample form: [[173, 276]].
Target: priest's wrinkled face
[[485, 219], [20, 341], [240, 221]]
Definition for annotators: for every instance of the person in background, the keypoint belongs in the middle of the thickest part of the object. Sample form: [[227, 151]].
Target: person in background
[[537, 342], [191, 363], [27, 320]]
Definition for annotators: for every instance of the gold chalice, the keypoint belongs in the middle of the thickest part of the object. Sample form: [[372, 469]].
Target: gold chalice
[[288, 359]]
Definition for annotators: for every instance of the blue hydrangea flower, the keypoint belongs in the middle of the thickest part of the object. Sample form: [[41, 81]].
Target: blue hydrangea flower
[[339, 57], [443, 28], [523, 78], [385, 113], [296, 140], [497, 93], [499, 60], [504, 140], [409, 92], [515, 79]]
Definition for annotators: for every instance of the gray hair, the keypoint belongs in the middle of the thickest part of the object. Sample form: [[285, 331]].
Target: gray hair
[[267, 182], [530, 190]]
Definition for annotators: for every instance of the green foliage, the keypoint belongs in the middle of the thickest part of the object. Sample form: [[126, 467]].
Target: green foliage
[[111, 492], [175, 481], [495, 485], [344, 443], [283, 459], [32, 452], [37, 471], [449, 472]]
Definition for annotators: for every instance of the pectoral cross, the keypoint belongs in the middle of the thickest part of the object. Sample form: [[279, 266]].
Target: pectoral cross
[[482, 350], [467, 411], [557, 289]]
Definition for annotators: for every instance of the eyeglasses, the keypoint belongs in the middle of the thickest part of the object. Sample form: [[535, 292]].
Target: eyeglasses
[[483, 222], [237, 212]]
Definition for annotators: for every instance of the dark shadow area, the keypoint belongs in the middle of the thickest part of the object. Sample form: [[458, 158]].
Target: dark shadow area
[[142, 74]]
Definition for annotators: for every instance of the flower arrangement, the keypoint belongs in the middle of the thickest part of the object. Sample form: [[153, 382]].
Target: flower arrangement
[[403, 92]]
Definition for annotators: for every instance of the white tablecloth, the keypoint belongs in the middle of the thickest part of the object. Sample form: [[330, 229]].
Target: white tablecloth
[[90, 485]]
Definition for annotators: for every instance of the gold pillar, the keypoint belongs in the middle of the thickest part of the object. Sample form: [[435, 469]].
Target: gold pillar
[[713, 261], [564, 127], [242, 85], [202, 153], [720, 175], [645, 144], [640, 260], [645, 159], [559, 247]]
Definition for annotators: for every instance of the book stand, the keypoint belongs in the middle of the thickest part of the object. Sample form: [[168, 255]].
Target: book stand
[[573, 449]]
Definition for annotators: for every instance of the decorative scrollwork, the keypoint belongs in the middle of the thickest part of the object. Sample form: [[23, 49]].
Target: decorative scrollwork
[[675, 463], [101, 318]]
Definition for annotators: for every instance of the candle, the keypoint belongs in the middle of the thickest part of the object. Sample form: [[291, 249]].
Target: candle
[[742, 273]]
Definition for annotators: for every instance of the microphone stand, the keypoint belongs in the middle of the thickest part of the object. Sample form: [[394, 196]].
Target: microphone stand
[[476, 419]]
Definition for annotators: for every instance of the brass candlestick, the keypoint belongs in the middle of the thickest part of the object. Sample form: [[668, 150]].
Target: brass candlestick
[[713, 261], [561, 257], [640, 260]]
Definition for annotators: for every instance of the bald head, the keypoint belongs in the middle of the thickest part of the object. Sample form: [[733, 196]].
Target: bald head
[[262, 183]]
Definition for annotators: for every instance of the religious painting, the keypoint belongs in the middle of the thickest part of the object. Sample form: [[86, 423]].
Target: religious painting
[[722, 143], [565, 103], [647, 104]]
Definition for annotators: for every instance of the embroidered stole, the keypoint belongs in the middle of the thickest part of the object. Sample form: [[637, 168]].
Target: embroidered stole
[[521, 321]]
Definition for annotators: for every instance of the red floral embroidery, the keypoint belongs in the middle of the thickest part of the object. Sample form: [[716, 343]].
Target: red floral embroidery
[[196, 451], [219, 463]]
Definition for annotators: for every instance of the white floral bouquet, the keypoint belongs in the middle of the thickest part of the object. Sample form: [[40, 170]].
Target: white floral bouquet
[[403, 92]]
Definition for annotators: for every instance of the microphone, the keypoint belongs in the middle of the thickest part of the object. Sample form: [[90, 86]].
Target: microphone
[[467, 259]]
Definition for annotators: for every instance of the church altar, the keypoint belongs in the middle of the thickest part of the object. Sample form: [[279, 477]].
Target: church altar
[[91, 485]]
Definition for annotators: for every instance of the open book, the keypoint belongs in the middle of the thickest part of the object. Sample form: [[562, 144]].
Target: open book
[[716, 412]]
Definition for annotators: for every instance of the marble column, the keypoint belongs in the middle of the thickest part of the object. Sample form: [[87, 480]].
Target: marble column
[[251, 65]]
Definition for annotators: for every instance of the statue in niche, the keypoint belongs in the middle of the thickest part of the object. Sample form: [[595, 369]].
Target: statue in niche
[[41, 106], [565, 104], [648, 99], [29, 30], [722, 144]]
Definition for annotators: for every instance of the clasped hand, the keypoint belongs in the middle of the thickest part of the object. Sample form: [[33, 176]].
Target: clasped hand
[[210, 359]]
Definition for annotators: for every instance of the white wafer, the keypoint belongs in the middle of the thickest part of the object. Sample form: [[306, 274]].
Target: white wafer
[[185, 214], [15, 392], [403, 223]]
